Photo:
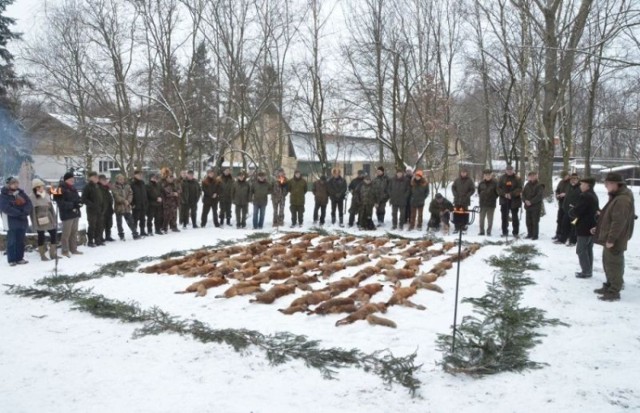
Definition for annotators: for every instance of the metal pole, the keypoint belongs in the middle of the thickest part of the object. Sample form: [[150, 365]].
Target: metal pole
[[455, 308]]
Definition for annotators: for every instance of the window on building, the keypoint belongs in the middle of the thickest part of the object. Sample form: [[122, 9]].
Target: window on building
[[366, 167], [105, 166], [348, 169]]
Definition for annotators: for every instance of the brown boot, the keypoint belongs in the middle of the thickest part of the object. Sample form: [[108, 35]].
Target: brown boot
[[42, 249], [610, 296], [53, 251], [603, 289]]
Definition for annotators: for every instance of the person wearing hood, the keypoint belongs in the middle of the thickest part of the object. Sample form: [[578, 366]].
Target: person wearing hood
[[226, 196], [419, 193], [463, 187], [15, 207], [297, 189], [279, 191], [44, 219], [583, 216], [337, 189], [321, 198], [354, 189], [613, 232], [381, 185]]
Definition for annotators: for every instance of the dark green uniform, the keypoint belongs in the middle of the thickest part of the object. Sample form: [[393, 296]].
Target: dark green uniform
[[189, 202], [367, 199], [211, 188], [533, 193], [154, 209], [297, 190], [381, 189], [93, 199], [226, 194], [241, 194], [108, 212]]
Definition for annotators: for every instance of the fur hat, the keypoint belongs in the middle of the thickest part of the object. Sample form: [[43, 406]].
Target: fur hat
[[614, 177], [36, 183], [165, 172], [380, 168], [67, 176], [589, 180]]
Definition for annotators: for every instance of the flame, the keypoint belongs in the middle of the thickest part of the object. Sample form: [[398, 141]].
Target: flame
[[55, 191], [282, 180]]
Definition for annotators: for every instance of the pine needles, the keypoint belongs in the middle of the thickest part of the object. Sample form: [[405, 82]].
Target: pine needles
[[500, 333], [279, 348]]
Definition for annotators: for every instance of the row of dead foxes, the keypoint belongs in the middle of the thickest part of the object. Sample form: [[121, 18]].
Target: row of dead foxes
[[296, 263]]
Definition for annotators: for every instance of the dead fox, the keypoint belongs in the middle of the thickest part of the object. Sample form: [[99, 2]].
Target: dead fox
[[413, 263], [309, 236], [347, 239], [241, 289], [201, 287], [313, 298], [274, 252], [314, 254], [362, 313], [328, 270], [366, 272], [201, 270], [334, 256], [293, 309], [290, 236], [381, 321], [359, 260], [401, 293], [448, 245], [274, 293], [341, 286], [399, 274], [427, 286], [426, 278], [364, 293], [383, 262], [333, 305]]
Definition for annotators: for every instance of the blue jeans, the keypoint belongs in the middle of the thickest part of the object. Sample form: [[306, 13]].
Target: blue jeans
[[258, 216], [15, 245]]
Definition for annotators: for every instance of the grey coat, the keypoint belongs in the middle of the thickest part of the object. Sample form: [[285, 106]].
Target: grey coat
[[43, 210]]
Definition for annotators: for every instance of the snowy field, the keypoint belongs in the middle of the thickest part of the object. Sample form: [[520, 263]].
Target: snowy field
[[53, 359]]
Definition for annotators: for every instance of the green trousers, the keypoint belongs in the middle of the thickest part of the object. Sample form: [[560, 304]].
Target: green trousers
[[613, 263]]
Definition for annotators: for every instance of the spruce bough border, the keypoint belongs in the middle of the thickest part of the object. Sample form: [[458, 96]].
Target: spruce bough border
[[498, 338], [279, 347]]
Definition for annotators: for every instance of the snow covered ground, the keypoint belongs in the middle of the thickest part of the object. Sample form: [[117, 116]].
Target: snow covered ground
[[54, 359]]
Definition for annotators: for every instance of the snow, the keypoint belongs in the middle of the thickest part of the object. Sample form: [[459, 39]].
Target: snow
[[55, 359], [339, 149], [619, 168]]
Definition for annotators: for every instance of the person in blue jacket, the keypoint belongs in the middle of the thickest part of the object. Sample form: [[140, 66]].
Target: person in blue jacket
[[15, 207]]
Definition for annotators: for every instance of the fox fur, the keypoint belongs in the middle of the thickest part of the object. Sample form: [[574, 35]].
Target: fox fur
[[274, 293], [201, 286], [364, 293], [427, 286], [359, 260], [400, 274], [328, 270], [427, 278], [381, 321], [362, 313], [293, 309], [366, 272], [341, 286], [347, 239], [413, 262], [241, 289], [313, 298], [328, 238], [386, 261], [334, 256], [400, 294], [333, 305]]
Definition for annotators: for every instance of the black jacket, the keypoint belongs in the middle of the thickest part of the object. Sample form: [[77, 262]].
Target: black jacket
[[93, 199], [140, 200], [337, 188], [107, 199], [585, 211], [68, 202], [190, 192], [154, 191], [570, 200]]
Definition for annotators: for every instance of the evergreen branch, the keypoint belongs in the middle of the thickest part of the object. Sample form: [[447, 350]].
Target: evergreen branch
[[279, 348]]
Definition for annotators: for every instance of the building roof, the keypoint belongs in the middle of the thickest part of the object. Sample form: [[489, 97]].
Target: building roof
[[619, 168], [339, 148]]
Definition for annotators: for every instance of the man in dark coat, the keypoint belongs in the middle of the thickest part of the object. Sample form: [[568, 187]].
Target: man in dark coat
[[463, 187], [510, 191], [354, 186], [297, 190], [69, 205], [532, 196], [367, 196], [154, 209], [584, 218], [408, 175], [226, 196], [561, 192], [419, 193], [93, 199], [613, 232], [260, 198], [572, 193], [399, 193], [337, 189], [189, 201], [321, 198], [103, 183], [241, 194], [140, 202], [440, 209], [279, 191], [211, 188], [488, 194], [15, 206], [170, 201], [381, 190]]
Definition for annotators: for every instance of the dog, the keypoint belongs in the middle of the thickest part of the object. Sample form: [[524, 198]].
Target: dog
[[362, 313]]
